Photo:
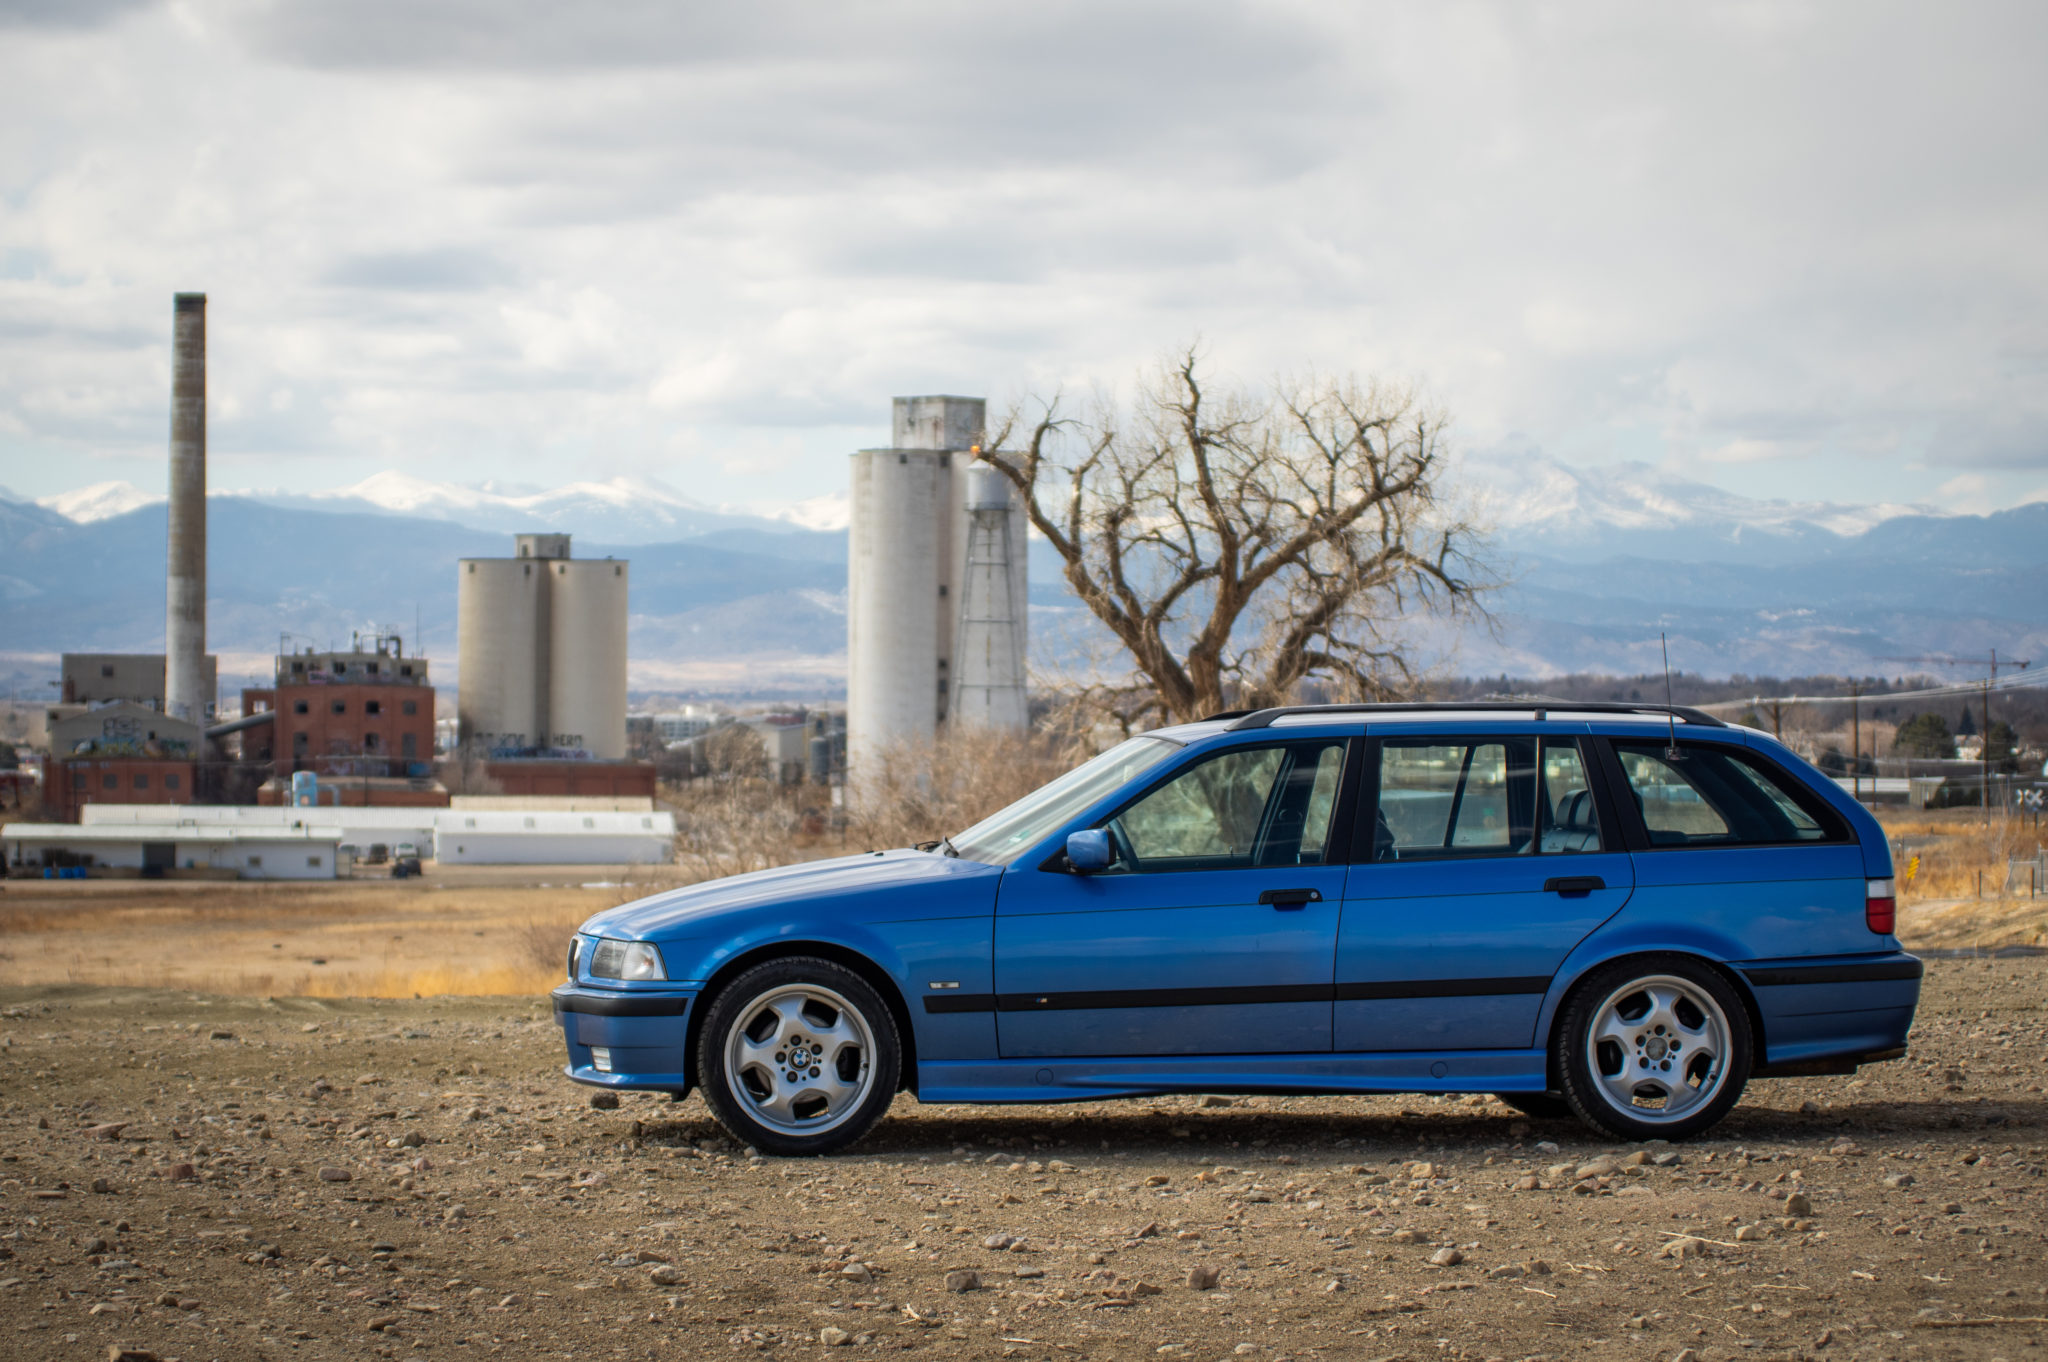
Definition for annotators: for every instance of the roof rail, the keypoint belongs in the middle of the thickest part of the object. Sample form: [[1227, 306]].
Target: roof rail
[[1263, 718]]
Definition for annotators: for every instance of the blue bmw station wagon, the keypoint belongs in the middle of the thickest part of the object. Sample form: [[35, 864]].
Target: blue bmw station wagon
[[1622, 913]]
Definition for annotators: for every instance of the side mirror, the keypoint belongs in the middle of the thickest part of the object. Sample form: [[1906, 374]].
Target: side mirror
[[1089, 851]]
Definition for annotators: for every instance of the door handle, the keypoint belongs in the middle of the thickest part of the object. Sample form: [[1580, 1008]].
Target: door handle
[[1573, 885], [1286, 899]]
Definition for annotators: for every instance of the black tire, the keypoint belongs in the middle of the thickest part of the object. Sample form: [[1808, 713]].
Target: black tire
[[827, 1031], [1598, 1079], [1544, 1106]]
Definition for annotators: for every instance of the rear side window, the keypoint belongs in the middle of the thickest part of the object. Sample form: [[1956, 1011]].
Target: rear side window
[[1712, 796], [1444, 798]]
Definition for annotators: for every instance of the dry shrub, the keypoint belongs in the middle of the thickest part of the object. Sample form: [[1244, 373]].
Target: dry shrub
[[915, 792], [733, 824]]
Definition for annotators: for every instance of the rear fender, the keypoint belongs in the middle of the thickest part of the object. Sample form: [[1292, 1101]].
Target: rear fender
[[1711, 948]]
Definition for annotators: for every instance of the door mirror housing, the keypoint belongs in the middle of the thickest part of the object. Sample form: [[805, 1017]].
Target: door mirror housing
[[1089, 851]]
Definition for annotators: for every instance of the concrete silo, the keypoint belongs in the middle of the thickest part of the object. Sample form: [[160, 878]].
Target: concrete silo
[[542, 651], [908, 563], [896, 669], [587, 656], [988, 654], [501, 653]]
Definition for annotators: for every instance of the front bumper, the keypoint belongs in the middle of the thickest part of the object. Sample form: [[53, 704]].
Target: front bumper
[[643, 1034]]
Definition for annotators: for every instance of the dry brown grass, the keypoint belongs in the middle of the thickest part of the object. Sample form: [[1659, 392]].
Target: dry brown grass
[[387, 939], [1948, 854], [1951, 880]]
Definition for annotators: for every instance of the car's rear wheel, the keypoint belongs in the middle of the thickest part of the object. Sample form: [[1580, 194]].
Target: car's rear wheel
[[1544, 1106], [1655, 1047], [799, 1056]]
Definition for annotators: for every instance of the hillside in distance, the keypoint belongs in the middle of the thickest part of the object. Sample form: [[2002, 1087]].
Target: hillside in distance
[[738, 600]]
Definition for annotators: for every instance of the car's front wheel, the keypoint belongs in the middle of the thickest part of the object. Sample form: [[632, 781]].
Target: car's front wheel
[[798, 1056], [1655, 1047]]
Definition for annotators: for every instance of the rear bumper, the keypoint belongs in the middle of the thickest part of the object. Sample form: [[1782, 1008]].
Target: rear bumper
[[644, 1036], [1826, 1015]]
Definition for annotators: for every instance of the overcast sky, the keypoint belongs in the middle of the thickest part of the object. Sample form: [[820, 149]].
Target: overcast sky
[[1791, 249]]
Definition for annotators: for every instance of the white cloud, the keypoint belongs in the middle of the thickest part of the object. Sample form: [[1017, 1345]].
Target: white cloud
[[1795, 245]]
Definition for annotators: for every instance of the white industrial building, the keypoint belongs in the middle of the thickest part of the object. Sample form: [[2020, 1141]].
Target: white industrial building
[[499, 837], [522, 834], [541, 643], [554, 803], [359, 827], [936, 584], [251, 853]]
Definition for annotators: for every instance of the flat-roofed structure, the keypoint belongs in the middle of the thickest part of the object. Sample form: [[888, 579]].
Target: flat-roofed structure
[[504, 837], [175, 850], [359, 827], [96, 678]]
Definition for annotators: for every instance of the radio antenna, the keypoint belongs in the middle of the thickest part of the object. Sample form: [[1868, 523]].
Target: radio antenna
[[1671, 752]]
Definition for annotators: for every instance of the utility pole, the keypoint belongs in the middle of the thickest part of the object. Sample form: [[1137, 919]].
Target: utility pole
[[1856, 739], [1984, 709]]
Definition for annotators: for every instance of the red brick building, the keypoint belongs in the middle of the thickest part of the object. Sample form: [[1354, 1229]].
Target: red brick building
[[123, 753], [366, 714], [572, 777]]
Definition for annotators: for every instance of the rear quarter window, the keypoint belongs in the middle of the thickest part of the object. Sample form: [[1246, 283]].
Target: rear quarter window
[[1706, 795]]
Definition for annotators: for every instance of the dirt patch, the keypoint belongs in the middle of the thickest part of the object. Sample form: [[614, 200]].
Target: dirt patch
[[335, 1179]]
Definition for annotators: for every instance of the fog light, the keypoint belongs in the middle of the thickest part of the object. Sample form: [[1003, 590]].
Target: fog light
[[601, 1058]]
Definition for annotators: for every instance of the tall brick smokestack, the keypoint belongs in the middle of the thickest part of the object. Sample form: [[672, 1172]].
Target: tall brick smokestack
[[185, 694]]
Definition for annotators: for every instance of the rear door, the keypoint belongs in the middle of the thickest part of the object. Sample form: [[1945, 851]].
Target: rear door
[[1480, 860]]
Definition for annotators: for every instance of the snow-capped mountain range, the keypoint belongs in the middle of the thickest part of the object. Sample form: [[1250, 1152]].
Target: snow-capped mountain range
[[729, 599], [619, 510], [1532, 499]]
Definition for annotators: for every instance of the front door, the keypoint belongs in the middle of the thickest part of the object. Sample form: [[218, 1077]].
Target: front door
[[1480, 862], [1212, 933]]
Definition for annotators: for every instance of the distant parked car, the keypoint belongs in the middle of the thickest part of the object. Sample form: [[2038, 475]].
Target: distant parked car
[[1616, 912], [379, 853], [405, 861]]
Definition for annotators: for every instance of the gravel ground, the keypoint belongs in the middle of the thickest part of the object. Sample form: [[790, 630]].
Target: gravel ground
[[195, 1177]]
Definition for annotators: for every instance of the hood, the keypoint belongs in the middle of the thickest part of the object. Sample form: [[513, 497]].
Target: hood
[[874, 886]]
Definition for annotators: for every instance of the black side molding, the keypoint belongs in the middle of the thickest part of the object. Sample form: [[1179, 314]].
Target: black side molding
[[1775, 976], [1227, 996], [1442, 988], [936, 1003], [1163, 997], [624, 1005]]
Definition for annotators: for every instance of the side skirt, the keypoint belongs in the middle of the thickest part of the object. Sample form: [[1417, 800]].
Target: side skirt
[[1091, 1080]]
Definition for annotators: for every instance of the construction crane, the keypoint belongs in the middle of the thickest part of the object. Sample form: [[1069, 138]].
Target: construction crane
[[1984, 703]]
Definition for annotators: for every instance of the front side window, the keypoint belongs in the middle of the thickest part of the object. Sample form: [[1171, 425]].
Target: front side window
[[1449, 798], [1245, 808], [1712, 796]]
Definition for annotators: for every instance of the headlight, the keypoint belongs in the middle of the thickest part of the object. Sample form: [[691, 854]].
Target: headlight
[[626, 960]]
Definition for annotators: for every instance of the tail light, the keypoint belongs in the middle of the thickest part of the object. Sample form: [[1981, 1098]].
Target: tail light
[[1880, 906]]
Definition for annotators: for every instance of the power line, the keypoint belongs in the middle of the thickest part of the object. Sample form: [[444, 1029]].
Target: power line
[[2022, 681]]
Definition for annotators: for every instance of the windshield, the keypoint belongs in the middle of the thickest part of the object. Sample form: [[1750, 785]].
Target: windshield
[[1002, 837]]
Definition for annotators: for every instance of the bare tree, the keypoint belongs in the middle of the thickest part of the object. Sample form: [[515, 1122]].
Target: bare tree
[[1239, 545]]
